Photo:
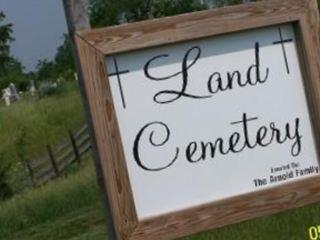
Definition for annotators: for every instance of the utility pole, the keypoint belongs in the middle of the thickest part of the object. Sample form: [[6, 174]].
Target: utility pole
[[78, 19]]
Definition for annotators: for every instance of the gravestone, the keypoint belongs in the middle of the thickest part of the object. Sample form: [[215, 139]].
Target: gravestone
[[76, 76], [10, 94], [6, 96], [13, 92], [32, 88]]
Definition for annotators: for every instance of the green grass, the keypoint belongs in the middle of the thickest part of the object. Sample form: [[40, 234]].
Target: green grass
[[85, 223], [29, 125], [53, 200], [72, 208], [38, 122]]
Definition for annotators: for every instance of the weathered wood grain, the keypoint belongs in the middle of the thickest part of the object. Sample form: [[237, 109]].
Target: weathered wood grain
[[77, 19], [63, 146], [108, 139], [230, 211], [64, 155], [309, 49], [84, 148], [190, 26], [94, 45], [81, 131]]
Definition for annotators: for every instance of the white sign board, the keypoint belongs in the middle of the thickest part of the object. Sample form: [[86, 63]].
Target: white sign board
[[210, 119]]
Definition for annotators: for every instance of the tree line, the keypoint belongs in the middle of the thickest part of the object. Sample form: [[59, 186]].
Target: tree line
[[12, 70], [102, 13]]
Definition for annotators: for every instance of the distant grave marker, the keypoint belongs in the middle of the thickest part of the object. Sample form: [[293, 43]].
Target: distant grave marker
[[10, 94]]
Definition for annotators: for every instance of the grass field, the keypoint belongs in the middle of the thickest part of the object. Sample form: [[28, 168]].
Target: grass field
[[30, 124], [38, 122], [71, 208], [55, 200]]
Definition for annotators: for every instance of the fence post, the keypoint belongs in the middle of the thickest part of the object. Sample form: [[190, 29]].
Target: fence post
[[74, 146], [53, 161], [30, 170]]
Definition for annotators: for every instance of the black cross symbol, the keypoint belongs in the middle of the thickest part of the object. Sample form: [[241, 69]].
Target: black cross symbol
[[283, 42], [118, 73]]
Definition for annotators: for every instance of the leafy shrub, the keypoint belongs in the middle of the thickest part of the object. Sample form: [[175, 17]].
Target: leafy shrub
[[5, 189]]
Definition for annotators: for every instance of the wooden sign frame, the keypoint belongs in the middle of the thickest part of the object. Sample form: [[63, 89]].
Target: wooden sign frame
[[94, 45]]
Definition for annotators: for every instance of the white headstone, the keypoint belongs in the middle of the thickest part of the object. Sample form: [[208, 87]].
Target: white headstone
[[76, 76], [32, 88], [14, 93], [6, 96]]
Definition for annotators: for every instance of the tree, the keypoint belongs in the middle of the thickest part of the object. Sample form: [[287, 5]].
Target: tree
[[61, 66], [5, 40], [45, 70], [112, 12], [5, 189], [11, 70], [168, 7], [5, 64], [219, 3], [14, 74], [64, 64], [104, 13]]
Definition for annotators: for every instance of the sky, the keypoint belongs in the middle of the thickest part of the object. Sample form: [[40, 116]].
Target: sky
[[38, 27]]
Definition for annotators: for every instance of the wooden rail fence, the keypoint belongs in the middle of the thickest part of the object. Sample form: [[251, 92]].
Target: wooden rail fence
[[59, 157]]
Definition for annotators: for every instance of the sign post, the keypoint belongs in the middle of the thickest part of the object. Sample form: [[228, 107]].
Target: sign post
[[77, 19], [205, 119]]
